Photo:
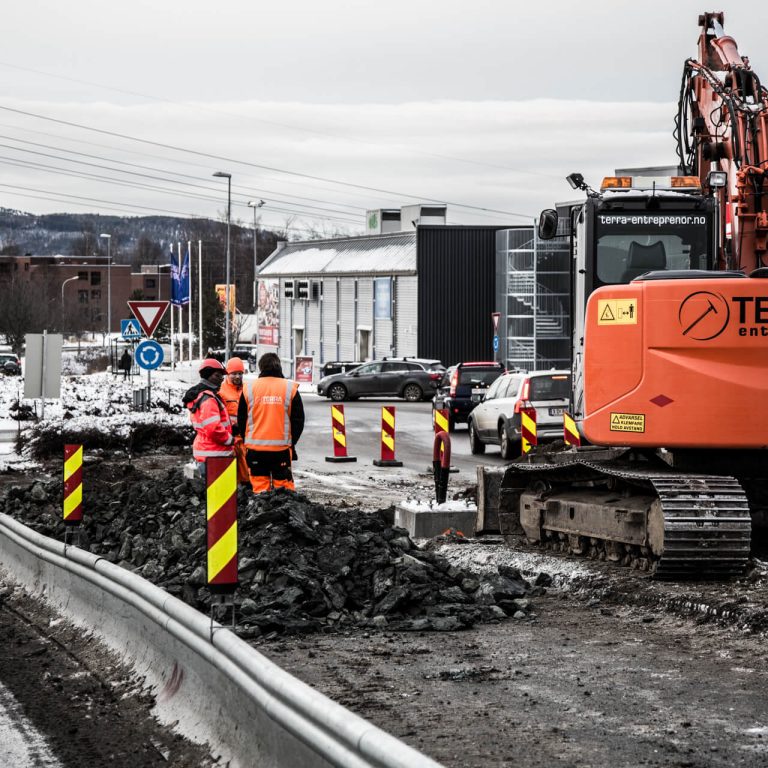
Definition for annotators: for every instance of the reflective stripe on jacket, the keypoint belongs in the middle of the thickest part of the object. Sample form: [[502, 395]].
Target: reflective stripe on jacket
[[230, 396], [269, 413], [213, 430]]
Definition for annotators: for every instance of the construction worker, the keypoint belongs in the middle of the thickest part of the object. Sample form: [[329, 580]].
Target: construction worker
[[209, 417], [229, 392], [270, 417]]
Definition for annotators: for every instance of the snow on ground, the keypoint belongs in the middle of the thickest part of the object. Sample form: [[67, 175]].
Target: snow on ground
[[485, 559]]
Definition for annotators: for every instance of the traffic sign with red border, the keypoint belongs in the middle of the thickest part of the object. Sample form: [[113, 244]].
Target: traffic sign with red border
[[148, 313]]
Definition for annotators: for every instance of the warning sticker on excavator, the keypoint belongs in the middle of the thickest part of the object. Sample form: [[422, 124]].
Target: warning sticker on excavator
[[617, 312], [627, 422]]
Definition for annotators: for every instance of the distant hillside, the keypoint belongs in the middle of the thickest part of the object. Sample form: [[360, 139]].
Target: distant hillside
[[135, 239]]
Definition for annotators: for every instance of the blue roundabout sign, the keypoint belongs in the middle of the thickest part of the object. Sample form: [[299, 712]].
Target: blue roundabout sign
[[149, 355]]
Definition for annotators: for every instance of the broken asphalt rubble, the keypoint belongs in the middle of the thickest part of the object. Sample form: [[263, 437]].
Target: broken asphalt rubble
[[303, 567]]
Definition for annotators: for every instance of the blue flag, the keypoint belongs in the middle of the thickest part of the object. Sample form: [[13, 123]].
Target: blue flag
[[179, 280]]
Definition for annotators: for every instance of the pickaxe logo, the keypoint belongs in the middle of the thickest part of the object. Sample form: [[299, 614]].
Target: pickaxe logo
[[703, 315]]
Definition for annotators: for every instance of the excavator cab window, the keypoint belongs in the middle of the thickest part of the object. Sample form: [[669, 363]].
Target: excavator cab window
[[631, 245]]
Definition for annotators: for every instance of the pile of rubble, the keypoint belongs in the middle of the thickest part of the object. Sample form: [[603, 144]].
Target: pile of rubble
[[303, 567]]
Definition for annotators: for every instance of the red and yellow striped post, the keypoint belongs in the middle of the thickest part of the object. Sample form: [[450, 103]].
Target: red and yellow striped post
[[570, 430], [339, 429], [440, 420], [388, 439], [528, 428], [221, 495], [73, 484]]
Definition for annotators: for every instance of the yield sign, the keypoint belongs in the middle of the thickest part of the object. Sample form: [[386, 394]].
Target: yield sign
[[148, 313]]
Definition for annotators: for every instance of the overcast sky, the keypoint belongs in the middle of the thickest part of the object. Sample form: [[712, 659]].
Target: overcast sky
[[483, 105]]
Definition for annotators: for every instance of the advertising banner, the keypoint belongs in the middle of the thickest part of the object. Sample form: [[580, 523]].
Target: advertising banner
[[304, 368], [221, 292], [382, 298], [268, 312]]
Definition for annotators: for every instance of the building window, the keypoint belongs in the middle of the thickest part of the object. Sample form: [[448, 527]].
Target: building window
[[5, 267], [96, 294], [95, 278], [82, 275], [149, 282], [26, 266], [82, 297]]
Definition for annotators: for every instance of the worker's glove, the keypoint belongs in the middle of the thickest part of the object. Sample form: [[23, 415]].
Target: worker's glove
[[294, 455]]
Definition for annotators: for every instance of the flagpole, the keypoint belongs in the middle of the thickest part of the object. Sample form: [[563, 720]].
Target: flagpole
[[200, 293], [180, 309], [189, 309]]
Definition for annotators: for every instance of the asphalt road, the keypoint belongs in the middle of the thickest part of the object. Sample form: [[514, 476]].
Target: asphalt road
[[414, 437]]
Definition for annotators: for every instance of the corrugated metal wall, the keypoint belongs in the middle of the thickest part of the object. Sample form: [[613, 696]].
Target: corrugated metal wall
[[347, 329], [456, 292], [312, 329], [330, 308], [286, 327], [406, 302]]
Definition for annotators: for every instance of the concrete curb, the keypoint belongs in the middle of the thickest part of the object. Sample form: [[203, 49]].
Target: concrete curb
[[210, 685]]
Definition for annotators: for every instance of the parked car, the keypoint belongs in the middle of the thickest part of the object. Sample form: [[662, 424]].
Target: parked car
[[496, 420], [411, 378], [244, 353], [339, 366], [10, 364], [460, 387]]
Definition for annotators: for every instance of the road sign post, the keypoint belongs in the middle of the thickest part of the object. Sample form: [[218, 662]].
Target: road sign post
[[495, 317], [149, 314], [149, 355]]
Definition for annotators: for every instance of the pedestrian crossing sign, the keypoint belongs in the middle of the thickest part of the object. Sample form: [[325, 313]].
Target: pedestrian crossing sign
[[129, 329]]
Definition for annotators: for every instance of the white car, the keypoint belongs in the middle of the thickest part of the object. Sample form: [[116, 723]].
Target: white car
[[496, 420]]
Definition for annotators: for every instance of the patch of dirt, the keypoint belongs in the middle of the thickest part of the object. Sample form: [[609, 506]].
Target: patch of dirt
[[575, 686], [90, 708]]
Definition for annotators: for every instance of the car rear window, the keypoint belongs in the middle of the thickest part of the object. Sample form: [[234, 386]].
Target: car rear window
[[554, 387], [479, 376]]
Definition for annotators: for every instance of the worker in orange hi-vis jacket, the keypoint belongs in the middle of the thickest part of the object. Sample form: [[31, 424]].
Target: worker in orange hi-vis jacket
[[271, 419], [230, 392]]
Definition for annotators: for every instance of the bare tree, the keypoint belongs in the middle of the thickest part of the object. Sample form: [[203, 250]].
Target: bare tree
[[22, 311]]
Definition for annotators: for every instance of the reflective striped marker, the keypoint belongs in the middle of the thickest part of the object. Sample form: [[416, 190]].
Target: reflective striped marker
[[221, 495], [73, 484], [571, 434], [528, 428], [388, 439], [339, 429], [440, 423], [440, 420]]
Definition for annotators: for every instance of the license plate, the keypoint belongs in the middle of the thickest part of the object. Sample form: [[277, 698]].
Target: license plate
[[477, 395], [556, 411]]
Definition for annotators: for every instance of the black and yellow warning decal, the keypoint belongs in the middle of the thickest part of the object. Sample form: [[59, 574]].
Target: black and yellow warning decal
[[617, 312], [627, 422]]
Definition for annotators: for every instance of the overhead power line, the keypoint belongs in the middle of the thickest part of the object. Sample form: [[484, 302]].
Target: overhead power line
[[245, 163]]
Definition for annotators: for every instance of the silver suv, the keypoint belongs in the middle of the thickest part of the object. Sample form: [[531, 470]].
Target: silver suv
[[496, 420]]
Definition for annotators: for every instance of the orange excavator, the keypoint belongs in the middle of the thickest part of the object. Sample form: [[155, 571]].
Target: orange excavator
[[669, 346]]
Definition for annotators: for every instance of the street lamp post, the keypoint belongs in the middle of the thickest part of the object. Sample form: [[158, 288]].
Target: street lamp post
[[68, 280], [228, 177], [253, 204], [108, 238]]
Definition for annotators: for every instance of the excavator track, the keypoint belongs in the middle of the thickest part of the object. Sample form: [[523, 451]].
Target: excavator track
[[693, 526]]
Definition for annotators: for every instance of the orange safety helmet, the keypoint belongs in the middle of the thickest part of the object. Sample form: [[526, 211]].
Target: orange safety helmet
[[235, 365]]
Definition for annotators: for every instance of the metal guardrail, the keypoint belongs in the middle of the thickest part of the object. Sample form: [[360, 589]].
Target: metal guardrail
[[213, 686]]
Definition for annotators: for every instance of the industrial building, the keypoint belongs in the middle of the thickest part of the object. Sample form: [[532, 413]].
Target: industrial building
[[415, 286]]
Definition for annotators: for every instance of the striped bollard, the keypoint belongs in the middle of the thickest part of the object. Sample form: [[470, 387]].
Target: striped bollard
[[440, 420], [528, 428], [221, 497], [440, 423], [339, 429], [570, 430], [73, 484], [388, 439]]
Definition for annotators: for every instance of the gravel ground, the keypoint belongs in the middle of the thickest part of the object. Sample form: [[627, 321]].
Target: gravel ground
[[92, 710], [609, 668]]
